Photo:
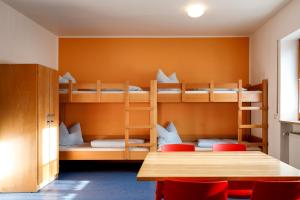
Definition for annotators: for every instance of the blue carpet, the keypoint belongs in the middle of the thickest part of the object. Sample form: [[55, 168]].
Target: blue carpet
[[92, 181]]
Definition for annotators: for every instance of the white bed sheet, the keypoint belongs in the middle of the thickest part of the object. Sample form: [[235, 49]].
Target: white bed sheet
[[114, 143], [160, 92], [103, 92], [88, 147], [205, 92]]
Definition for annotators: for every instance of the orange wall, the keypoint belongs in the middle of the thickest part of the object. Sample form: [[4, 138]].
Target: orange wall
[[137, 60]]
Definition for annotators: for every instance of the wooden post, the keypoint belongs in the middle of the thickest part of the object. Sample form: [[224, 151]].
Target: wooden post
[[98, 90], [265, 115], [183, 89], [153, 115], [240, 112], [127, 120], [211, 91]]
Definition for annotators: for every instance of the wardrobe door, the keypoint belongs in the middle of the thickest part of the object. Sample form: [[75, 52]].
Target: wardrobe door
[[43, 126], [18, 133], [54, 121]]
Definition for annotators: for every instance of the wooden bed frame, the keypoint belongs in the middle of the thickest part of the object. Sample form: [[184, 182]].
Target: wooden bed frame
[[183, 92], [102, 155]]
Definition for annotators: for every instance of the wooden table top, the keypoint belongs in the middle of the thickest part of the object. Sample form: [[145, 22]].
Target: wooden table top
[[247, 165]]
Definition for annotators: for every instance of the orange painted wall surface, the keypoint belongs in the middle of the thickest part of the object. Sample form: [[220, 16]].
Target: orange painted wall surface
[[137, 60]]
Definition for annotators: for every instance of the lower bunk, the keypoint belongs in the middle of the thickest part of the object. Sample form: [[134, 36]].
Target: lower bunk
[[87, 152]]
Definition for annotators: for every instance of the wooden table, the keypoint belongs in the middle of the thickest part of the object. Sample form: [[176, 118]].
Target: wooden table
[[248, 165]]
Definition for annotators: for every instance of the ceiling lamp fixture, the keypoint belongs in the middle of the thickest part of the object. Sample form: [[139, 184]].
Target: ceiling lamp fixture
[[195, 10]]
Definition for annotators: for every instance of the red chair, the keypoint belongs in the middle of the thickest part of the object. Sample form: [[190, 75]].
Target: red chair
[[170, 148], [276, 190], [237, 189], [178, 147], [229, 147], [194, 190]]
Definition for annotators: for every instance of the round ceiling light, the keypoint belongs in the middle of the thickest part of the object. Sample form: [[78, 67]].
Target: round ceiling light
[[196, 10]]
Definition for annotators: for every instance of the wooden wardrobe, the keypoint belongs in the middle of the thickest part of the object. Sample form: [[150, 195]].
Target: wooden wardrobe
[[28, 127]]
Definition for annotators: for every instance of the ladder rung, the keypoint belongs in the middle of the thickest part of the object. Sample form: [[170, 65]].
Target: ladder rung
[[139, 127], [253, 144], [251, 126], [139, 108], [139, 145], [251, 108]]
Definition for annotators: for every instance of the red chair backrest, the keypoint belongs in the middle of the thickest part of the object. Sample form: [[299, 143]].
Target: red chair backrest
[[178, 147], [276, 190], [229, 147], [192, 190]]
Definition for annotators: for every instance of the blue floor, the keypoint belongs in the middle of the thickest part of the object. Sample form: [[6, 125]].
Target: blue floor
[[92, 181], [106, 183]]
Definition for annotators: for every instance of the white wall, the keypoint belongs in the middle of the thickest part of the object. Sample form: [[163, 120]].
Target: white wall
[[263, 64], [24, 41]]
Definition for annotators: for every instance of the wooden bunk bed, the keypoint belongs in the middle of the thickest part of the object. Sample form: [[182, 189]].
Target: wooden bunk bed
[[230, 93], [112, 93], [164, 93]]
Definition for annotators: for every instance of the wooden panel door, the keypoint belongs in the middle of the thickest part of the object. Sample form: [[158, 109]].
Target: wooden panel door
[[43, 126], [18, 128], [54, 125]]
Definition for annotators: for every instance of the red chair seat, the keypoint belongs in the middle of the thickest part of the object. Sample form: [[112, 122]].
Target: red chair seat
[[244, 194], [229, 147], [240, 189], [276, 190], [177, 147]]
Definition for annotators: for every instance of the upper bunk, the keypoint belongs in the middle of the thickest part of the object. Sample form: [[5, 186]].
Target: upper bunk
[[99, 92]]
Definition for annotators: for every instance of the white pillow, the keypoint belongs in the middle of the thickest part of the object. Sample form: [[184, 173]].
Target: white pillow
[[62, 80], [161, 77], [73, 136], [63, 134], [171, 127], [168, 135], [68, 77], [76, 134], [173, 78]]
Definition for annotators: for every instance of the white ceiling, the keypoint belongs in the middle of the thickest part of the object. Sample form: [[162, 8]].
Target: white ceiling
[[147, 17]]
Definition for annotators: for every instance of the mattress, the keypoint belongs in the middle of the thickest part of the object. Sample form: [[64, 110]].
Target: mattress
[[103, 92], [89, 148], [159, 92], [199, 92], [208, 143], [114, 143]]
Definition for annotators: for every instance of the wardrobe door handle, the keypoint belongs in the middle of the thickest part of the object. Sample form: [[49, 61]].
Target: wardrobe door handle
[[50, 119]]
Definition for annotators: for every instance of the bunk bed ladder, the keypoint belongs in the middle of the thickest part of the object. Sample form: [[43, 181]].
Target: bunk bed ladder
[[264, 117], [152, 109]]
